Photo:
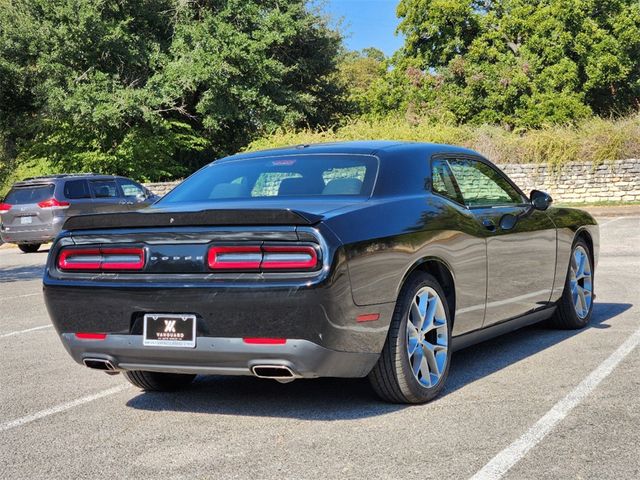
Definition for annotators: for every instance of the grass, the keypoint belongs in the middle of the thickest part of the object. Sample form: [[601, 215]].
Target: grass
[[595, 140]]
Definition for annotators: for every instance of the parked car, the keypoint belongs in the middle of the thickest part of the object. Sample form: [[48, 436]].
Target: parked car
[[35, 209], [355, 259]]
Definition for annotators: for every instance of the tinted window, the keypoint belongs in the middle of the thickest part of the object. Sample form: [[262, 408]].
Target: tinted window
[[443, 182], [131, 189], [25, 195], [296, 175], [77, 189], [482, 185], [104, 188]]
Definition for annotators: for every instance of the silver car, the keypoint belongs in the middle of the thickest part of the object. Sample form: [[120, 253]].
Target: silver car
[[35, 209]]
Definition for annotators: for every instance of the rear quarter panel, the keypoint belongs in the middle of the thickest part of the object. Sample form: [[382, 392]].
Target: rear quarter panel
[[386, 239]]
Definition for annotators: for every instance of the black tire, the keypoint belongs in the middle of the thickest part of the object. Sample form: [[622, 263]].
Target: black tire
[[392, 378], [565, 316], [29, 247], [158, 381]]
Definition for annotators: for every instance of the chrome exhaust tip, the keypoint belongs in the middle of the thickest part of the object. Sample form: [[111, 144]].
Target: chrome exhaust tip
[[280, 373], [100, 364]]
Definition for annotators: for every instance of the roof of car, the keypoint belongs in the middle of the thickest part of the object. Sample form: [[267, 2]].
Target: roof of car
[[367, 147], [63, 176]]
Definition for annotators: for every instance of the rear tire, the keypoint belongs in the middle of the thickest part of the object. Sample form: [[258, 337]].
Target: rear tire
[[158, 381], [575, 307], [29, 247], [414, 363]]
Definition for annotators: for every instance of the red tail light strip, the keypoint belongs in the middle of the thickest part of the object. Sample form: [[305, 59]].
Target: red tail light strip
[[4, 208], [53, 204], [264, 258], [293, 257], [97, 259], [234, 258]]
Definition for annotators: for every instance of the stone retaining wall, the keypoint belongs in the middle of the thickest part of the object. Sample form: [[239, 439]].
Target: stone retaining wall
[[575, 182]]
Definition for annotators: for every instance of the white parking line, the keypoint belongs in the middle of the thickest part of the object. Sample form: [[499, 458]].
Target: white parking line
[[22, 296], [61, 408], [507, 458], [10, 334], [615, 220]]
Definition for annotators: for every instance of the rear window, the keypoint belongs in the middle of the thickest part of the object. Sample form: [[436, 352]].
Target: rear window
[[26, 195], [277, 177]]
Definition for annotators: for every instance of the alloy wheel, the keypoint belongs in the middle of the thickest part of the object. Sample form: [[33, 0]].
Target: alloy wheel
[[581, 282], [427, 337]]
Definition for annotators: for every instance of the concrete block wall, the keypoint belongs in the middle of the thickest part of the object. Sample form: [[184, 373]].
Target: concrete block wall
[[577, 182]]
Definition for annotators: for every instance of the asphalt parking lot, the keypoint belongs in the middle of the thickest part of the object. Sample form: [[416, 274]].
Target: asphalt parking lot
[[532, 404]]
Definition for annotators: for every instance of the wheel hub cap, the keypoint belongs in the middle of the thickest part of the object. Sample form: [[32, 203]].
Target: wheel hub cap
[[427, 337], [581, 282]]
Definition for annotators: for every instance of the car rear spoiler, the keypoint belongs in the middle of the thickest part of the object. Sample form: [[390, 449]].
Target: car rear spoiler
[[191, 219]]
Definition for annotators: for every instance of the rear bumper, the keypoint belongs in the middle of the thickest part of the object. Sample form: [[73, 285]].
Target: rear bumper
[[221, 356], [39, 234]]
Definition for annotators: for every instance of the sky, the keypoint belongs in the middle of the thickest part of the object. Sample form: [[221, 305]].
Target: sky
[[367, 23]]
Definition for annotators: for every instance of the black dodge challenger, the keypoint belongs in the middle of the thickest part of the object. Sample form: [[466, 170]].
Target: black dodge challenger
[[355, 259]]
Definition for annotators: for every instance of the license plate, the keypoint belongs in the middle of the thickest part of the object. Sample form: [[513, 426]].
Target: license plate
[[26, 220], [169, 330]]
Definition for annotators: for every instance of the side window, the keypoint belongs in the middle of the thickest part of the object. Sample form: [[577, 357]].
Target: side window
[[442, 181], [131, 188], [76, 189], [104, 189], [482, 185]]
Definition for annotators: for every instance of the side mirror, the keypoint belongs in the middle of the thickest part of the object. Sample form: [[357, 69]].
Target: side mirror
[[540, 200]]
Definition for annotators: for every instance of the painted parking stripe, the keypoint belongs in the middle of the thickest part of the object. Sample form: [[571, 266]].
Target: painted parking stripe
[[11, 334], [507, 458], [18, 422]]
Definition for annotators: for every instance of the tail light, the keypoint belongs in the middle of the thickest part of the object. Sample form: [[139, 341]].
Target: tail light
[[234, 258], [263, 258], [289, 258], [53, 204], [4, 208], [102, 259]]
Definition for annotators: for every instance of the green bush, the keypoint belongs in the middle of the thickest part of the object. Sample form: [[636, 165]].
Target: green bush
[[594, 140]]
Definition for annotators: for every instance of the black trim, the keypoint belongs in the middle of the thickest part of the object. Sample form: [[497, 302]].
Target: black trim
[[182, 219], [477, 336]]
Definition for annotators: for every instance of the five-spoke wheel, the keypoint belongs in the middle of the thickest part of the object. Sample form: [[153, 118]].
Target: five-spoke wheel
[[576, 304], [415, 359]]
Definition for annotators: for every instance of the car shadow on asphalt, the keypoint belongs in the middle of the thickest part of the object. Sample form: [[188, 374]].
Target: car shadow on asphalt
[[17, 274], [330, 399], [25, 272]]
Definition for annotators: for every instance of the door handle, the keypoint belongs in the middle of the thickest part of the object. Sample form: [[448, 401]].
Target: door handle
[[489, 225]]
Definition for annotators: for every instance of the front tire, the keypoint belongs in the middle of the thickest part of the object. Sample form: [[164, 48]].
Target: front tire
[[158, 381], [575, 307], [29, 247], [414, 363]]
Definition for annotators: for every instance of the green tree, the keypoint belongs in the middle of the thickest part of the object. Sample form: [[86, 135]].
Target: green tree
[[357, 72], [155, 88], [521, 62]]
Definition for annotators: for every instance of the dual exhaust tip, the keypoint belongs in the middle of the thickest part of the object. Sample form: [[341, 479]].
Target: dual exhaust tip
[[100, 364], [280, 373]]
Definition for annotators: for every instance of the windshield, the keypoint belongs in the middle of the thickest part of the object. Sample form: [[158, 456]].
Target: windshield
[[26, 195], [277, 177]]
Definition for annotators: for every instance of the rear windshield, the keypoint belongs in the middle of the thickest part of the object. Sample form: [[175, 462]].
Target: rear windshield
[[24, 195], [277, 177]]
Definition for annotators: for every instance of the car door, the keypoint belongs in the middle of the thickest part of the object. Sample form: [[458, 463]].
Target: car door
[[107, 196], [521, 241], [135, 195]]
